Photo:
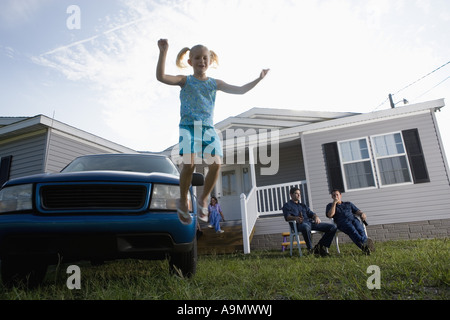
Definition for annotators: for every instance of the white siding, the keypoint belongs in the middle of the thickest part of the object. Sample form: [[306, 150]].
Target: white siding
[[415, 202], [290, 166], [62, 150], [28, 154]]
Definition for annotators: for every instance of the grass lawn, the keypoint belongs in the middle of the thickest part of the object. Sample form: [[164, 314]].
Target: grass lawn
[[413, 269]]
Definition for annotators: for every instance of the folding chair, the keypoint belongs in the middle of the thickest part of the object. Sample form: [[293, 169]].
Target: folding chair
[[294, 238], [336, 238], [293, 235]]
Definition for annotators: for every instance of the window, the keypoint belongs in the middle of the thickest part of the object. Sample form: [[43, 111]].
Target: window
[[229, 183], [247, 182], [5, 168], [381, 160], [391, 159], [356, 164]]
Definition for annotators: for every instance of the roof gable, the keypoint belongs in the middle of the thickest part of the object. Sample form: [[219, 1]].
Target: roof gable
[[6, 121], [272, 118]]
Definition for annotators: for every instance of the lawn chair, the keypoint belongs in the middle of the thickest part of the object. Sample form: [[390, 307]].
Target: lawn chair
[[293, 235], [294, 238], [336, 237]]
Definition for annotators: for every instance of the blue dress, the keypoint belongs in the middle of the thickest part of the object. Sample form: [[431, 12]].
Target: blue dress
[[198, 98], [214, 216], [197, 133]]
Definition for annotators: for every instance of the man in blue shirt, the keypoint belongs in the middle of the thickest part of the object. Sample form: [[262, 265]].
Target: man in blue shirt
[[307, 220], [345, 216]]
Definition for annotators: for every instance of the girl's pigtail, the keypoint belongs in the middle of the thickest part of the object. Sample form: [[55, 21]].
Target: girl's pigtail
[[180, 58], [214, 59]]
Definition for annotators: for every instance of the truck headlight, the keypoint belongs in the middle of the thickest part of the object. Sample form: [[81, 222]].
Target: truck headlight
[[16, 198], [165, 196]]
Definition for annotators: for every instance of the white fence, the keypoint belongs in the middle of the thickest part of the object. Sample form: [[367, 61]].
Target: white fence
[[249, 214], [272, 198]]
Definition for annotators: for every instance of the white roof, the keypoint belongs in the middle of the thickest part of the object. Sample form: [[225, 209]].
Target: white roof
[[374, 116], [14, 126], [271, 118], [306, 122]]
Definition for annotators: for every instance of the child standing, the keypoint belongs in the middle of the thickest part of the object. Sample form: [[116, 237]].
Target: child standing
[[215, 215], [197, 134]]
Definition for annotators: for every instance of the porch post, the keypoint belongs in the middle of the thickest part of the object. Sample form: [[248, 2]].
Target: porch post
[[251, 159], [245, 231], [246, 226]]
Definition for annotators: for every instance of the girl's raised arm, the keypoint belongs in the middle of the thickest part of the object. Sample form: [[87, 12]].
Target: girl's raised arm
[[161, 75], [228, 88]]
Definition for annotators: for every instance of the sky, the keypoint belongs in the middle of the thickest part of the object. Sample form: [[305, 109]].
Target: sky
[[91, 63]]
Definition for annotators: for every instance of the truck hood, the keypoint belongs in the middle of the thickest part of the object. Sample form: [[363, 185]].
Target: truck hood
[[107, 176]]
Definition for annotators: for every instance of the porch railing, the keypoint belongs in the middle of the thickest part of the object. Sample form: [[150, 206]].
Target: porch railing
[[265, 201], [249, 214], [272, 198]]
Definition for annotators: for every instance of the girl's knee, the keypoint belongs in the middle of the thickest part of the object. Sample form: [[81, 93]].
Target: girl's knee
[[215, 166], [188, 167]]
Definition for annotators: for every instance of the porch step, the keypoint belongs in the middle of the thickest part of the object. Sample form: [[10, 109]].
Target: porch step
[[230, 241]]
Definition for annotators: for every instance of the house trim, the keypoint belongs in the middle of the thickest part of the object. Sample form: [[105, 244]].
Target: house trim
[[398, 112], [366, 121], [441, 148], [23, 136]]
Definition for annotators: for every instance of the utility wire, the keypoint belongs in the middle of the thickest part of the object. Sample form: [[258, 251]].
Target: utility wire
[[412, 83], [409, 85], [433, 87]]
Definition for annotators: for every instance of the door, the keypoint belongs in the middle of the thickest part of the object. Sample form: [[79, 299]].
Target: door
[[234, 180]]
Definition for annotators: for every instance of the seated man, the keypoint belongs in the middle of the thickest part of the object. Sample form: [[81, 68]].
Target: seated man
[[307, 220], [343, 214]]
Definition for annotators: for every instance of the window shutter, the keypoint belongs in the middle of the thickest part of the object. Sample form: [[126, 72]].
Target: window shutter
[[5, 166], [333, 165], [415, 156]]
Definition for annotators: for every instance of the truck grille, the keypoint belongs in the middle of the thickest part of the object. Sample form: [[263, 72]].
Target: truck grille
[[93, 197]]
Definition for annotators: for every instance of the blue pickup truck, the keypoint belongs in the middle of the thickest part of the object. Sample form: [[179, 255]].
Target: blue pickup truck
[[99, 208]]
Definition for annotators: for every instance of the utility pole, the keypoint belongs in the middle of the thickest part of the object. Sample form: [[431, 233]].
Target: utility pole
[[391, 101]]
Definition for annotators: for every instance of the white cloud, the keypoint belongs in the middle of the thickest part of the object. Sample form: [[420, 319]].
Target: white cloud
[[8, 52]]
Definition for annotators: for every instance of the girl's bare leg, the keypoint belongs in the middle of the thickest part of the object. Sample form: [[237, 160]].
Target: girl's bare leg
[[186, 180], [210, 181]]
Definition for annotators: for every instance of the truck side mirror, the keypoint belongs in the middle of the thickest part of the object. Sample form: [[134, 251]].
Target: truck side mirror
[[198, 179]]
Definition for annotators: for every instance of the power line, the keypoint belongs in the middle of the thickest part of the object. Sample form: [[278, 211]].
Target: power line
[[409, 85], [433, 87], [412, 83]]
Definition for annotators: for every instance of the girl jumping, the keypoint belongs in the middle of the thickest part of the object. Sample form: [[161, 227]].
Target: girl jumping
[[197, 133]]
